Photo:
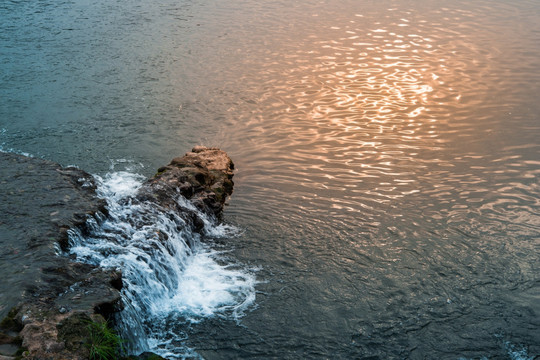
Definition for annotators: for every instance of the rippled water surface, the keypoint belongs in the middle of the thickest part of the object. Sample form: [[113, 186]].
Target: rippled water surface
[[388, 155]]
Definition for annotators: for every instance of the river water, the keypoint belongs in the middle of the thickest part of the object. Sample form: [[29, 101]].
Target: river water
[[387, 195]]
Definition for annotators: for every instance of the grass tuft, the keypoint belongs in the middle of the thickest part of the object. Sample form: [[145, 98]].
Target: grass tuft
[[104, 343]]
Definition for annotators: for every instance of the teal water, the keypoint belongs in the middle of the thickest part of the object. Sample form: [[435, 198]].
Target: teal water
[[387, 155]]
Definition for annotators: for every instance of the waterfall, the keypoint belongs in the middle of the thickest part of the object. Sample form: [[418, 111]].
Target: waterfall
[[170, 277]]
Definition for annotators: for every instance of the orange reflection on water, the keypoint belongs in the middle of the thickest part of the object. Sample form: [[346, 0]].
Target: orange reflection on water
[[367, 103]]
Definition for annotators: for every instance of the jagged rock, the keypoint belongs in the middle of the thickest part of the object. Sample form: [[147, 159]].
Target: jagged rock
[[204, 176]]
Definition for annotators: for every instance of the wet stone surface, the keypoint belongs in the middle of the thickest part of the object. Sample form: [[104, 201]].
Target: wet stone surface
[[39, 202]]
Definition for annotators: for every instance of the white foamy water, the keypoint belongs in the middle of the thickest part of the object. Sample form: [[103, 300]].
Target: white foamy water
[[171, 279], [5, 149], [515, 352]]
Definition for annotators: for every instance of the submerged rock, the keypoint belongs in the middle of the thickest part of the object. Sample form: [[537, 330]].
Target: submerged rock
[[51, 297]]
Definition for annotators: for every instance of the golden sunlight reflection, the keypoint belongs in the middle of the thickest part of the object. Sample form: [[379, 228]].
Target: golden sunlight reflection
[[377, 84], [363, 108]]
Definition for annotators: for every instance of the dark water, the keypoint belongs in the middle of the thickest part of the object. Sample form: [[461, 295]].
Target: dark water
[[388, 155]]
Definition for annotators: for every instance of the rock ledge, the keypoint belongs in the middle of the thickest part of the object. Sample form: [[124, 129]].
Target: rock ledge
[[52, 297]]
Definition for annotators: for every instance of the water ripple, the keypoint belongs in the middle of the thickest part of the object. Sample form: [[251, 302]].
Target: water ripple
[[387, 153]]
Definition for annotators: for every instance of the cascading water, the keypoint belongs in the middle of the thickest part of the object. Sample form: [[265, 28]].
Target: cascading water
[[170, 278]]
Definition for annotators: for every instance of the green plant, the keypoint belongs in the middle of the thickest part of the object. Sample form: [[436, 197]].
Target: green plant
[[104, 343]]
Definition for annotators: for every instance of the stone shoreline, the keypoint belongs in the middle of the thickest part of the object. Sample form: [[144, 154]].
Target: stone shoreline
[[39, 202]]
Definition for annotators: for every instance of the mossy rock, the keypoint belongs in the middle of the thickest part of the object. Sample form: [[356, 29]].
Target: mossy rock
[[10, 342], [11, 322], [74, 332], [90, 337]]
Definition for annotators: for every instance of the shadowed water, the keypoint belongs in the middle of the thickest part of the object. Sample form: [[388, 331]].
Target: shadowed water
[[387, 153]]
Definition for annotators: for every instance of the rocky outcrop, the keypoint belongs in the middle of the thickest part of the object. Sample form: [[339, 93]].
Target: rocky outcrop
[[203, 176], [39, 202], [52, 299]]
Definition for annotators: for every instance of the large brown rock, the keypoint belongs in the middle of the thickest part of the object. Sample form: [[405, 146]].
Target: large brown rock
[[203, 176]]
